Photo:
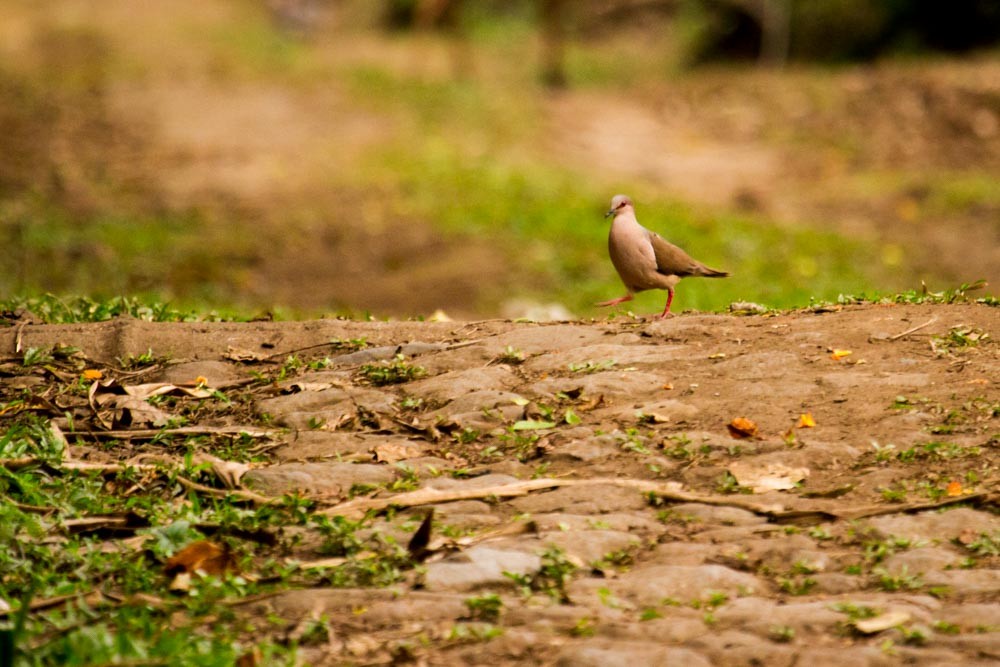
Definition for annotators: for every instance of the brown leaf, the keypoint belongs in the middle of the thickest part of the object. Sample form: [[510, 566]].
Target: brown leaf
[[741, 428], [767, 477], [591, 404], [390, 452], [201, 556]]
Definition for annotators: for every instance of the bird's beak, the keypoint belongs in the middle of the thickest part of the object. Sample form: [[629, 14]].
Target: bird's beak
[[610, 213]]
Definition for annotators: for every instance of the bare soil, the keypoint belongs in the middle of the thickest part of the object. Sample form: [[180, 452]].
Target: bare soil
[[636, 526]]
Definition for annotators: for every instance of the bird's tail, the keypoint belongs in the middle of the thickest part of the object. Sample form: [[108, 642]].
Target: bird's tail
[[712, 273]]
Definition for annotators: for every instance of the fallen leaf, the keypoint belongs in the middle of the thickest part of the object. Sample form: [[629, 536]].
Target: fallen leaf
[[954, 489], [741, 428], [767, 477], [717, 355], [390, 452], [591, 403], [203, 557], [92, 374], [151, 389], [837, 355], [806, 420], [968, 536], [891, 619], [237, 354], [532, 425], [228, 472], [668, 386]]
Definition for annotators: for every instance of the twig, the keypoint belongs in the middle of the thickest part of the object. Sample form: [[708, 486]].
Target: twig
[[357, 507], [914, 329], [249, 496]]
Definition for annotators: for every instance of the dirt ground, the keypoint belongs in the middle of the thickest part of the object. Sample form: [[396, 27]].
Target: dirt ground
[[808, 488]]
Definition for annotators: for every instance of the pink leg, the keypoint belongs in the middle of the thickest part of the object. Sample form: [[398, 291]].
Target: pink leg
[[666, 309], [615, 302]]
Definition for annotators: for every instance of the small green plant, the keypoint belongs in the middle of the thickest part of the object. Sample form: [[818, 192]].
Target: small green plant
[[894, 495], [396, 371], [782, 634], [510, 356], [727, 483], [551, 578], [987, 544], [486, 607], [593, 366], [796, 585], [945, 628], [474, 632], [584, 627], [897, 582]]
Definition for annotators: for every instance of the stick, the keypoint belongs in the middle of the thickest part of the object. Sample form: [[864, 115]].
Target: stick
[[914, 329]]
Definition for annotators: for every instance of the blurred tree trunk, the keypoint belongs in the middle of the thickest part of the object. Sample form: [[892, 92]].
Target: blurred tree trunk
[[552, 19], [775, 26]]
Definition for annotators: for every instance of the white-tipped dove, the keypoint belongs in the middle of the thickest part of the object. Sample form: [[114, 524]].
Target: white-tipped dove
[[644, 259]]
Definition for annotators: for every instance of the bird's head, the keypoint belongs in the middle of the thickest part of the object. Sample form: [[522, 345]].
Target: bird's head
[[619, 203]]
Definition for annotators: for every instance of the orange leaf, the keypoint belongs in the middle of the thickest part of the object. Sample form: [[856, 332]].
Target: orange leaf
[[741, 427], [806, 420], [201, 556], [954, 489], [837, 355], [92, 374]]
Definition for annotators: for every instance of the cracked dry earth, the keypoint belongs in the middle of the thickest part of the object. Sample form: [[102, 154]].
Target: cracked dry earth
[[591, 507]]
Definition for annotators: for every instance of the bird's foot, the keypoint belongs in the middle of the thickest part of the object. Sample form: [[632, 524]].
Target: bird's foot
[[663, 316], [615, 302]]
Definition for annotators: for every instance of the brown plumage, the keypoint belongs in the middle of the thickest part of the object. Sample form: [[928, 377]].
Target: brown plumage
[[644, 259]]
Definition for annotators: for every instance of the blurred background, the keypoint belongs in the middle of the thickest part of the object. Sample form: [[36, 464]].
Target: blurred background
[[396, 157]]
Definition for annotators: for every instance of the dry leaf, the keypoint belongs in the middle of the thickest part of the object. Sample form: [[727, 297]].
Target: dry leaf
[[390, 452], [668, 386], [229, 472], [954, 489], [837, 355], [741, 428], [237, 354], [151, 389], [806, 420], [891, 619], [767, 477], [93, 374], [202, 556]]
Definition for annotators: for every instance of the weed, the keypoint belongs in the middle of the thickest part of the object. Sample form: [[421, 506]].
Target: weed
[[897, 582], [486, 607], [894, 495], [649, 614], [781, 633], [945, 628], [796, 585], [510, 356], [593, 366], [474, 632], [396, 371], [987, 544], [727, 483]]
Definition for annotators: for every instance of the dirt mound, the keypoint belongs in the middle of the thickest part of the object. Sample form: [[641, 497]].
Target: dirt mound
[[810, 487]]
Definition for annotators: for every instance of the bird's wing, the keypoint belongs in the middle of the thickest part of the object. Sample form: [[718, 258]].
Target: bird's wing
[[671, 260]]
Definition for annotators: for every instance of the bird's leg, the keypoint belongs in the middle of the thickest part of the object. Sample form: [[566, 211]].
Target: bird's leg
[[666, 309], [615, 302]]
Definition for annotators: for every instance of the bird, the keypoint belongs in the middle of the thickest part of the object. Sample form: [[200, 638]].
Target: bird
[[644, 259]]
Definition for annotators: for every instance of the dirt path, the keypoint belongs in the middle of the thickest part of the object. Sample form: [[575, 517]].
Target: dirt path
[[591, 505]]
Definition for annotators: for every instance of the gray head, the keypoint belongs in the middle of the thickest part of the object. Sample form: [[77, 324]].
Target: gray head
[[618, 204]]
